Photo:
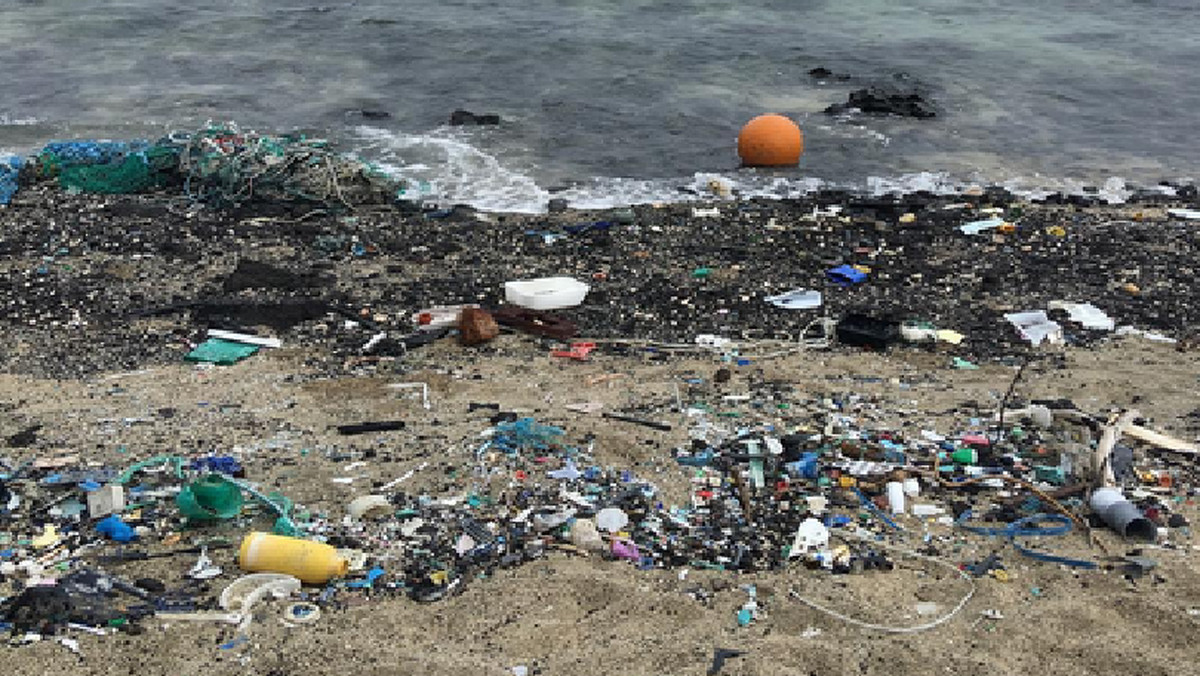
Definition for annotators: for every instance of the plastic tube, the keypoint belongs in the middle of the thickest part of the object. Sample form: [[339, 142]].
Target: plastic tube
[[1122, 515]]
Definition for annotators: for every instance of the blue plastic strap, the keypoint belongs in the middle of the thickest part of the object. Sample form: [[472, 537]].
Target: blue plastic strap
[[1030, 526]]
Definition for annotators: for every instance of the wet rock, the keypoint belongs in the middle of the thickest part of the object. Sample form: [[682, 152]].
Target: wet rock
[[886, 100], [465, 117], [823, 73]]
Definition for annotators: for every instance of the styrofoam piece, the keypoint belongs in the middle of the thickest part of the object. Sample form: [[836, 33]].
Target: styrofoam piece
[[611, 519], [365, 505], [711, 341], [1087, 315], [912, 487], [927, 510], [977, 227], [895, 496], [796, 299], [546, 293], [245, 338], [916, 333], [811, 534], [1189, 214], [949, 336], [108, 499], [1036, 327], [438, 317]]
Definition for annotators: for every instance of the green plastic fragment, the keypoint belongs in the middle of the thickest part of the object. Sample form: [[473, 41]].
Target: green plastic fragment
[[221, 352], [963, 364], [210, 498], [1049, 474], [701, 273]]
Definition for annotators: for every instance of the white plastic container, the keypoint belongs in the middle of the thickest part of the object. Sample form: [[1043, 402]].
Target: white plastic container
[[895, 496], [545, 293]]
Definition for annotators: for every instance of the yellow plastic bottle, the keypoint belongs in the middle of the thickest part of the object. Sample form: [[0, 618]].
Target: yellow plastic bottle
[[311, 562]]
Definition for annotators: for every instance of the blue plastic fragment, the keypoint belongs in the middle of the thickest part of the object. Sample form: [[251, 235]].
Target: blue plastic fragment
[[837, 520], [524, 433], [223, 464], [568, 472], [10, 169], [806, 467], [846, 275], [116, 529], [372, 575], [744, 617], [701, 459]]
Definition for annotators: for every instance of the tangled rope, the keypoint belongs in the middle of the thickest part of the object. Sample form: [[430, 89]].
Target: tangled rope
[[221, 166]]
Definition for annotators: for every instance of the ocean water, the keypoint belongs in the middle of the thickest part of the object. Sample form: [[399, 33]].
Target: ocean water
[[628, 100]]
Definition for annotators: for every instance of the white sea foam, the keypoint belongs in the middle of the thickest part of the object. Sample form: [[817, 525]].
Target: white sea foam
[[444, 167], [9, 121]]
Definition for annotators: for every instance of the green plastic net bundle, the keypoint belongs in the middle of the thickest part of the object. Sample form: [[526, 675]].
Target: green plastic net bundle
[[224, 166], [221, 166], [111, 167]]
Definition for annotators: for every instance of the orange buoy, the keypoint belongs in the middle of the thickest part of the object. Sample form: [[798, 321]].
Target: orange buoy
[[770, 141]]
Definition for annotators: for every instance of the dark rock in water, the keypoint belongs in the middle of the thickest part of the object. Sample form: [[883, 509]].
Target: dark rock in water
[[557, 205], [369, 114], [886, 101], [822, 73], [463, 117]]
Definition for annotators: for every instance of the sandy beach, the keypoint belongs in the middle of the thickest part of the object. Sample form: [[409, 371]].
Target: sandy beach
[[104, 295]]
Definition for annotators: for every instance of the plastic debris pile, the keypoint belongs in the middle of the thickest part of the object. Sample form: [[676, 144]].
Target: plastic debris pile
[[775, 481], [219, 165]]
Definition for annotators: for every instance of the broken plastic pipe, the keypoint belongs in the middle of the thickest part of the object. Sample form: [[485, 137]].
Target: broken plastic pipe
[[1122, 515], [661, 426]]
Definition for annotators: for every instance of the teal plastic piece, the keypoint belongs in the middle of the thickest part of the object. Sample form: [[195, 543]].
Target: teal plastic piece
[[152, 462], [1049, 474], [210, 498], [284, 525], [221, 352]]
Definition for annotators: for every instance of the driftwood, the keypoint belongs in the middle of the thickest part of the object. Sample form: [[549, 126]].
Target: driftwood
[[1111, 433]]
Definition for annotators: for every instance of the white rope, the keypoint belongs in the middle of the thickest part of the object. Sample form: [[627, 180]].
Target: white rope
[[892, 629]]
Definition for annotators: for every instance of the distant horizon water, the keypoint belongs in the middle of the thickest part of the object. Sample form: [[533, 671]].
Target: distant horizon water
[[607, 103]]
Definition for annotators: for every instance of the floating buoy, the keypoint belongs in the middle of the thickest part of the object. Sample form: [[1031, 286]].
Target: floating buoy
[[770, 141]]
